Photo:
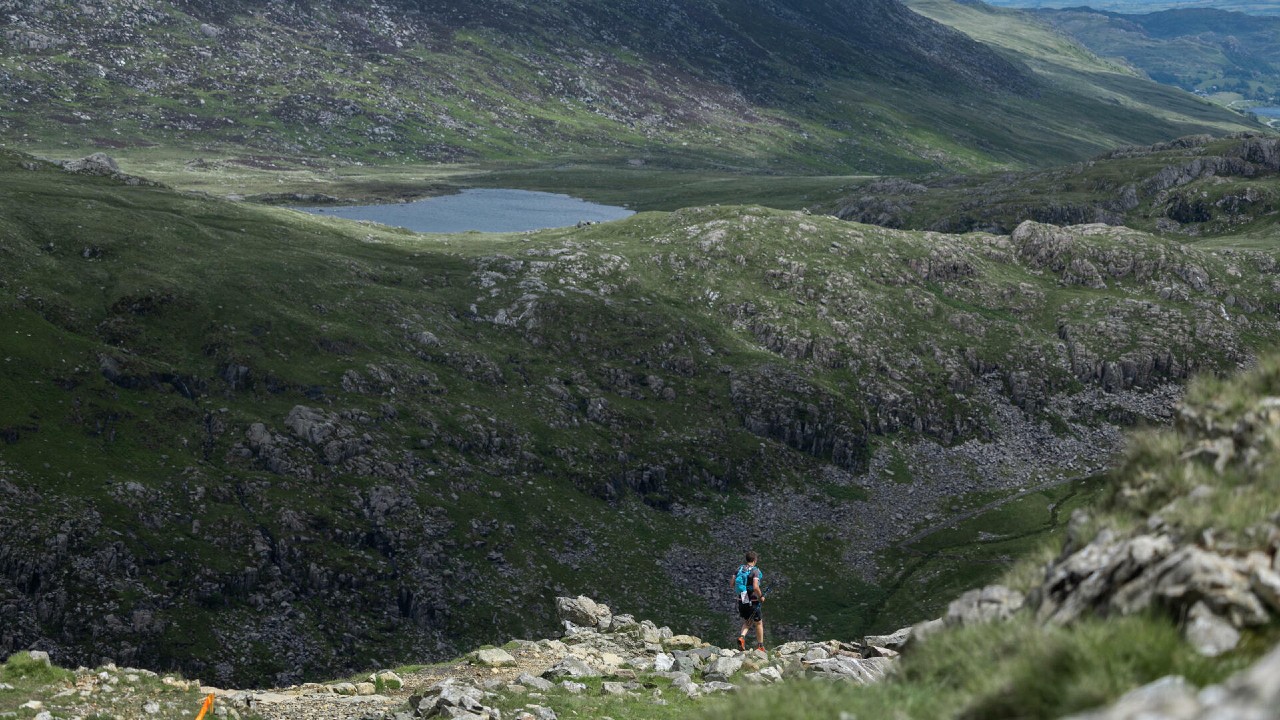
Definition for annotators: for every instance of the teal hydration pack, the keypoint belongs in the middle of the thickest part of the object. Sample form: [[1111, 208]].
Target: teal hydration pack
[[742, 583]]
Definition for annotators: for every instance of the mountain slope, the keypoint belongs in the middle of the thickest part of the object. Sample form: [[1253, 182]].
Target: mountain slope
[[864, 86], [1211, 52], [1063, 60], [1196, 186], [258, 445]]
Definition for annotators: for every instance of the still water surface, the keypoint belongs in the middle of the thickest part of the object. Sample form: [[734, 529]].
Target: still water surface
[[483, 210]]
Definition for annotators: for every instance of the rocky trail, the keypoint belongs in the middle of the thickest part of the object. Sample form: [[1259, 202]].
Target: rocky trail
[[623, 656], [600, 654]]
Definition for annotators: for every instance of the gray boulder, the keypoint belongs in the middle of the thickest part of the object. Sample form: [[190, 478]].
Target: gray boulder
[[1266, 585], [1125, 576], [95, 164], [1253, 694], [582, 611], [794, 647], [1209, 634], [894, 641], [451, 695], [863, 671], [688, 663], [536, 683], [816, 652], [1169, 698], [722, 668], [994, 602], [570, 667], [493, 657], [541, 713]]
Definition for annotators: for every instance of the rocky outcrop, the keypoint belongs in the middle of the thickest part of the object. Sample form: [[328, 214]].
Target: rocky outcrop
[[1121, 576], [565, 60], [1185, 195], [1253, 694], [95, 164]]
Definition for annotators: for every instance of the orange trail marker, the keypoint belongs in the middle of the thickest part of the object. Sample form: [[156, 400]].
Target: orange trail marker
[[208, 705]]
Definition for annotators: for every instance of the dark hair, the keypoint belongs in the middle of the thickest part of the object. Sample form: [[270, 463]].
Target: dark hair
[[751, 556]]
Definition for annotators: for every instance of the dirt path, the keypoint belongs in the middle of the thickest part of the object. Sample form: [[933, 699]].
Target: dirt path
[[318, 702]]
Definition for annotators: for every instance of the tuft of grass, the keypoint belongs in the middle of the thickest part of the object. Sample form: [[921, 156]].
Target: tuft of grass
[[22, 669], [1015, 669]]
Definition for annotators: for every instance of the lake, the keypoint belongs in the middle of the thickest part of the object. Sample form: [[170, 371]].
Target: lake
[[482, 210], [1271, 112]]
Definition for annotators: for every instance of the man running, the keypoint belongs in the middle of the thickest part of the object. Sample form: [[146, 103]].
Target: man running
[[746, 583]]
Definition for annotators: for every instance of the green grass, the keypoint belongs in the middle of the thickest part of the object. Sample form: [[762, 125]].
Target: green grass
[[22, 669], [1009, 670], [1240, 209], [772, 129]]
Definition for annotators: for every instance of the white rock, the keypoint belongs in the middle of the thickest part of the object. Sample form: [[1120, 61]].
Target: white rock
[[894, 641], [994, 602], [1209, 634], [722, 668], [1266, 585], [494, 657], [1168, 698]]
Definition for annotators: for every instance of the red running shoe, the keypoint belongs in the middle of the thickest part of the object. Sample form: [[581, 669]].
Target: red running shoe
[[742, 643]]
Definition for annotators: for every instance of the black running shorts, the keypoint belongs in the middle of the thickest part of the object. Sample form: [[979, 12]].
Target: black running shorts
[[751, 611]]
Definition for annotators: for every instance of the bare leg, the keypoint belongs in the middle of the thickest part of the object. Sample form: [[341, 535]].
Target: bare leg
[[760, 632]]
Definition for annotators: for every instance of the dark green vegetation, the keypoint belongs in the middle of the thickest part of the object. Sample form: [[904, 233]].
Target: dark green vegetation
[[1230, 55], [1255, 7], [863, 87], [1195, 186], [254, 444], [1020, 669]]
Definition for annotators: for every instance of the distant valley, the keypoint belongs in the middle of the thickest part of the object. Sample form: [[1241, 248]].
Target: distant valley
[[893, 283], [1229, 56]]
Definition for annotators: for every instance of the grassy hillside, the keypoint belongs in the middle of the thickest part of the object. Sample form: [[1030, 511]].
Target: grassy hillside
[[1229, 56], [1068, 62], [258, 445], [1201, 187], [1024, 669], [798, 86], [1255, 7]]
